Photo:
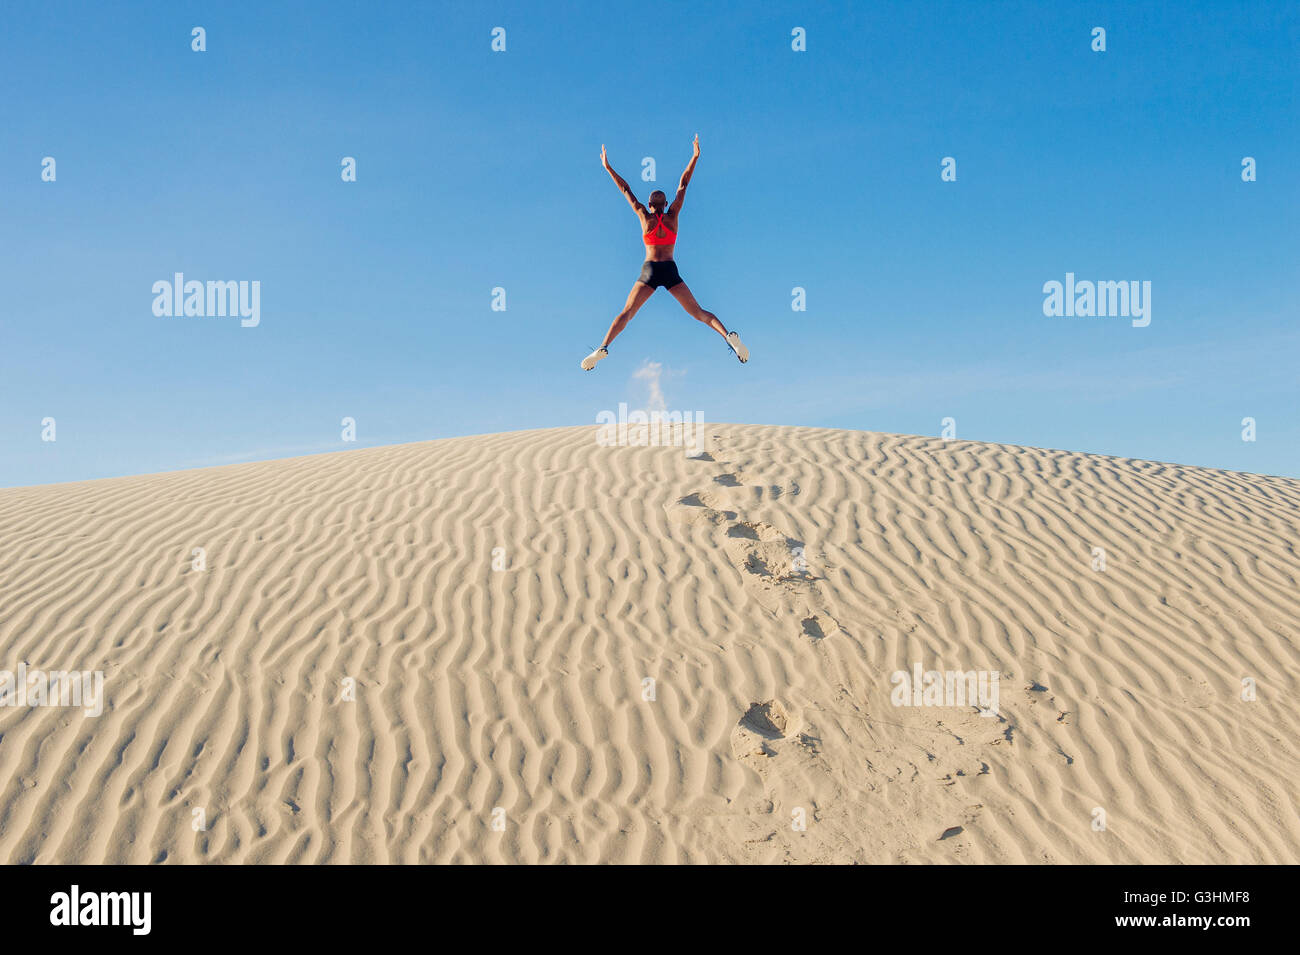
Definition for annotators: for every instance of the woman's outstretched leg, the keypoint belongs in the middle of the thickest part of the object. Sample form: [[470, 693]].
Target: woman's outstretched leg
[[635, 299], [682, 293]]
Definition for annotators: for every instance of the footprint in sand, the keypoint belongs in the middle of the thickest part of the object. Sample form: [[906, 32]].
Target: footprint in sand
[[772, 563], [764, 724]]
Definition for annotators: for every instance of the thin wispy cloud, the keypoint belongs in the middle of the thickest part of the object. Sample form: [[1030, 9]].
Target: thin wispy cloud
[[652, 373], [1090, 379], [264, 454]]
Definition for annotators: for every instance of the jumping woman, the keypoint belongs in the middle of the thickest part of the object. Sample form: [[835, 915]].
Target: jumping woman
[[659, 233]]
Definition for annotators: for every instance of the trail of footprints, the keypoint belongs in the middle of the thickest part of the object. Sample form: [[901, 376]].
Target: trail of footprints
[[773, 565], [775, 570]]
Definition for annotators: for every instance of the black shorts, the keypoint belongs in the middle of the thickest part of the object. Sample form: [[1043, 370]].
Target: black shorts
[[660, 274]]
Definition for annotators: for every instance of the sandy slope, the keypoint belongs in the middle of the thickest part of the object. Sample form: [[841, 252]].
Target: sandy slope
[[521, 688]]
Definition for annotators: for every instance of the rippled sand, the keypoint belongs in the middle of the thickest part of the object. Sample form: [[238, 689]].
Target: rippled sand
[[351, 679]]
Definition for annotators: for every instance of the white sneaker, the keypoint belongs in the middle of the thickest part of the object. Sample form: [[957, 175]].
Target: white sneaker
[[589, 362], [738, 347]]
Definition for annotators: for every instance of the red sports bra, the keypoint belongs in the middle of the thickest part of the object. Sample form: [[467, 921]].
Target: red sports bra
[[668, 238]]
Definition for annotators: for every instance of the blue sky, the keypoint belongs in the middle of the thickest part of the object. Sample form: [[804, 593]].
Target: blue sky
[[820, 169]]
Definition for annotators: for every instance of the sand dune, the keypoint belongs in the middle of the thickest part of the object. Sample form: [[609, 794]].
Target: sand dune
[[769, 589]]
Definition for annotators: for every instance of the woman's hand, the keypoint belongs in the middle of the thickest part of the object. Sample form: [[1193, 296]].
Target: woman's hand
[[603, 160], [696, 144]]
